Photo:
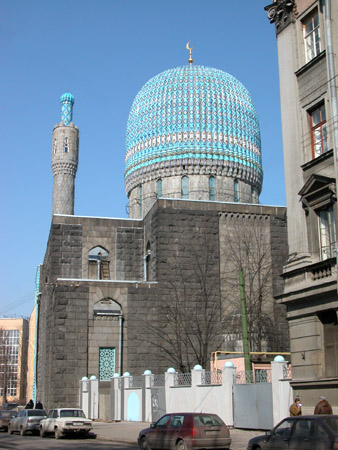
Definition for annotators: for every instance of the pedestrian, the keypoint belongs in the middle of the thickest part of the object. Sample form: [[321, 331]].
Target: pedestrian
[[323, 406], [30, 405], [38, 405], [296, 408]]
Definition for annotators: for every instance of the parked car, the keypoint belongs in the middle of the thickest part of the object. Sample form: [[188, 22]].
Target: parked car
[[183, 431], [63, 421], [5, 417], [300, 432], [26, 420]]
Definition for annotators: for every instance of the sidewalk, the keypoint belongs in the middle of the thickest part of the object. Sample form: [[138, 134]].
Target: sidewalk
[[128, 432]]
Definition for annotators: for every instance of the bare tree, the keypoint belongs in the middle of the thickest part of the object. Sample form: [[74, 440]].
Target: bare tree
[[189, 320], [246, 246]]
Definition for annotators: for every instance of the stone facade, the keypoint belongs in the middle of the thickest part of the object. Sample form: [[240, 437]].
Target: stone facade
[[307, 64], [150, 261]]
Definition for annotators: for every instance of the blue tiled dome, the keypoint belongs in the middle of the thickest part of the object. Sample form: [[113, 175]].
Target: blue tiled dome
[[196, 114]]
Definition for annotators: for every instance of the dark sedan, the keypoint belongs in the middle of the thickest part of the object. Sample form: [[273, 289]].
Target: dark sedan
[[298, 433], [183, 431]]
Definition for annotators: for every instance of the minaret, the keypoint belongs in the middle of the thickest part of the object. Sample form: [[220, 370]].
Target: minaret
[[65, 155]]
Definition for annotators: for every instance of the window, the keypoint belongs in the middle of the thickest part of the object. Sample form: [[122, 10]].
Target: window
[[55, 146], [327, 233], [318, 131], [311, 36], [66, 145], [185, 187], [9, 350], [212, 188], [159, 188], [140, 200], [236, 191], [98, 264]]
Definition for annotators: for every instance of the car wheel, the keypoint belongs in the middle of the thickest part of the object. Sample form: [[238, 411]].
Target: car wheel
[[144, 444], [181, 445], [42, 433], [22, 431], [9, 430], [58, 434]]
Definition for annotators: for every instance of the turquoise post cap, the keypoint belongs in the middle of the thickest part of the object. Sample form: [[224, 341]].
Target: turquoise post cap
[[93, 377], [279, 358], [84, 378], [198, 367], [126, 374], [171, 370], [229, 364], [147, 372], [116, 375]]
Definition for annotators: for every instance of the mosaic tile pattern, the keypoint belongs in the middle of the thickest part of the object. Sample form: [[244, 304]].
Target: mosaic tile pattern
[[193, 113], [67, 102], [106, 363]]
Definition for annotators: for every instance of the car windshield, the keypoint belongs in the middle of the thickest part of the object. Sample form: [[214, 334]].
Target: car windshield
[[36, 412], [72, 413], [207, 421], [332, 423]]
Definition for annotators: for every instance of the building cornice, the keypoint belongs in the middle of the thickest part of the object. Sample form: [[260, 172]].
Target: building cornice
[[282, 13]]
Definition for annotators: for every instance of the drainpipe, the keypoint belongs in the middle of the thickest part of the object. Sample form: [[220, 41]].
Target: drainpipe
[[332, 90]]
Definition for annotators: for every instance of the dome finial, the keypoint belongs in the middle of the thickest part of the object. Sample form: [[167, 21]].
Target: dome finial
[[190, 60]]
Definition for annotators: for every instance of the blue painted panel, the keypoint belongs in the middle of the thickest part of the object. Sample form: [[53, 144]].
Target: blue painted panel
[[133, 408]]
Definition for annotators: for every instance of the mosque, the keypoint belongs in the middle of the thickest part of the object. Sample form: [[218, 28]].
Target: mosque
[[160, 289]]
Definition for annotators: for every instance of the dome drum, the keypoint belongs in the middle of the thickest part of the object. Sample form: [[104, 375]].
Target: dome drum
[[193, 120]]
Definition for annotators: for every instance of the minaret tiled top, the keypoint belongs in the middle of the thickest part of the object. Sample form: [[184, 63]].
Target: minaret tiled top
[[67, 102]]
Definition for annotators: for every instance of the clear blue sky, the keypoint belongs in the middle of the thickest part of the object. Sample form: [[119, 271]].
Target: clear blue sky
[[103, 52]]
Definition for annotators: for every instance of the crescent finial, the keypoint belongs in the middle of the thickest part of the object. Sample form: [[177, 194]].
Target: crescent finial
[[190, 60]]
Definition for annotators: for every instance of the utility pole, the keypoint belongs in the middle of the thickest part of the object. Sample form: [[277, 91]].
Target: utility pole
[[244, 323]]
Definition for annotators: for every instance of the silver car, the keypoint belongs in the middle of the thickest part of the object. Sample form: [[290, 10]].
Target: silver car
[[26, 420]]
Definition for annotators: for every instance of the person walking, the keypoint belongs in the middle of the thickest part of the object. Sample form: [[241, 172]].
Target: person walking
[[30, 405], [323, 406], [38, 405], [296, 408]]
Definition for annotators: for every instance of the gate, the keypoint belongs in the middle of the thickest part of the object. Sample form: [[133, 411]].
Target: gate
[[253, 407]]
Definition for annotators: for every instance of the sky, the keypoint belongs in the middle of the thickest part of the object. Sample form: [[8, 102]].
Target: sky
[[103, 52]]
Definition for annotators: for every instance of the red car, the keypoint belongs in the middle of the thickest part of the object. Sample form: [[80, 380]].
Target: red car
[[185, 431]]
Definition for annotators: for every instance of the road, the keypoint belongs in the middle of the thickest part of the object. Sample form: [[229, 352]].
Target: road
[[29, 442]]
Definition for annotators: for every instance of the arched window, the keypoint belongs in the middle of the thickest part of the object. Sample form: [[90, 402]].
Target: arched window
[[212, 188], [236, 191], [98, 264], [55, 146], [185, 187], [66, 145], [140, 200], [159, 188], [147, 258]]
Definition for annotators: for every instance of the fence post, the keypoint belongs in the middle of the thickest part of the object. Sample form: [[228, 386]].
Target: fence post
[[84, 395], [196, 380], [228, 375], [169, 381], [280, 390], [146, 398]]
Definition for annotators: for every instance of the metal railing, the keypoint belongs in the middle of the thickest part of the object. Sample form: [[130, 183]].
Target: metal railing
[[136, 382], [250, 377], [287, 372], [182, 379], [213, 377], [157, 380]]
